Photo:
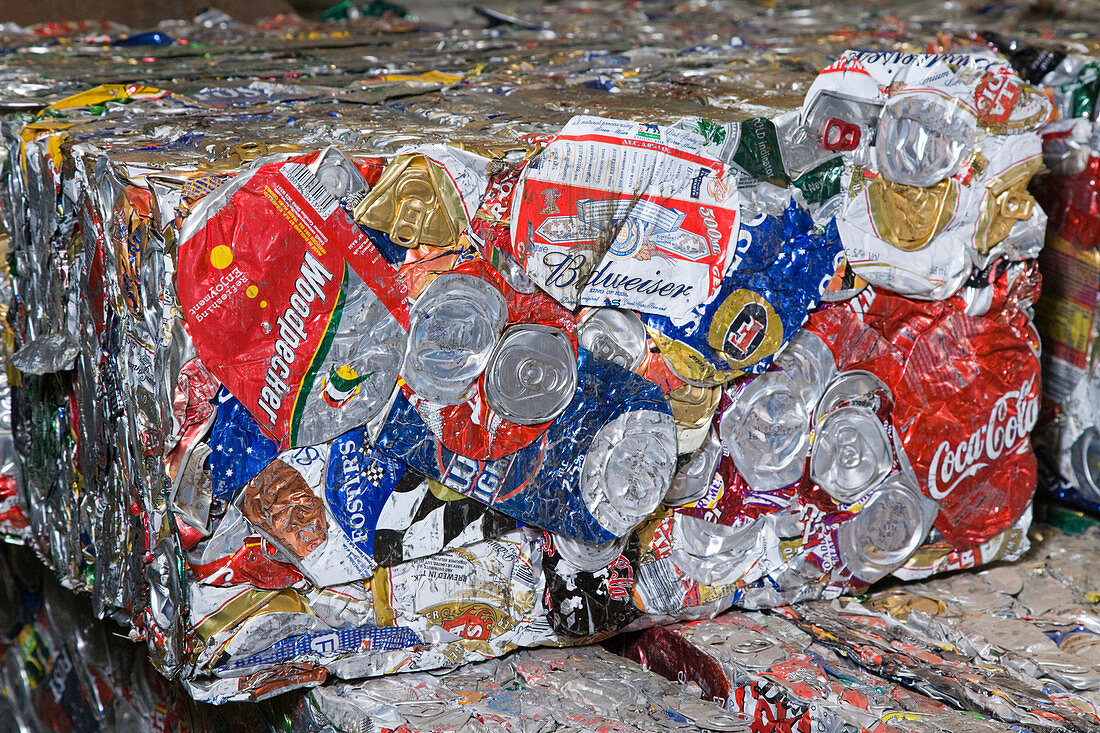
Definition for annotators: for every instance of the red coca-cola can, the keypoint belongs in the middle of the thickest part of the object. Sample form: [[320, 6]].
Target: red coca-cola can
[[965, 406], [966, 387]]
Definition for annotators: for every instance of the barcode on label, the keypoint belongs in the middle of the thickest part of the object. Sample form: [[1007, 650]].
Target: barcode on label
[[311, 188], [660, 587]]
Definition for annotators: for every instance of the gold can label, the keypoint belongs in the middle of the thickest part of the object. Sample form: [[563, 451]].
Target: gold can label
[[745, 329], [909, 217], [250, 603], [1006, 202], [688, 364]]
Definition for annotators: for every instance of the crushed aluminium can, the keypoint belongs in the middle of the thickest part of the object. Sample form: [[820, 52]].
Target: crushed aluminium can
[[780, 268], [975, 461], [852, 447], [593, 475], [589, 588], [626, 214], [613, 334], [766, 430], [272, 264], [943, 148]]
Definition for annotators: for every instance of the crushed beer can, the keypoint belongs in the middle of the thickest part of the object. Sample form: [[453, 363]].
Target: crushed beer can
[[780, 268], [425, 196], [607, 204], [454, 327], [942, 149], [597, 471], [317, 271], [614, 334], [589, 588]]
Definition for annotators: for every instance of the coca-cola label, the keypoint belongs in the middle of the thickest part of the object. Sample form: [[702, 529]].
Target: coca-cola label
[[1009, 426], [965, 406]]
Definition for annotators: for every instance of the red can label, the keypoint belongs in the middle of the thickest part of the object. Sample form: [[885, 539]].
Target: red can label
[[288, 301], [995, 97], [965, 407]]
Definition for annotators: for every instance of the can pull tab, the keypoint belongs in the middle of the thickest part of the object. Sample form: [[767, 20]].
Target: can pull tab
[[840, 135], [1015, 204], [247, 152], [408, 222]]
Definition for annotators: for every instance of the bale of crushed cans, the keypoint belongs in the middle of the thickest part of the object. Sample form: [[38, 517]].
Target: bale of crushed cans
[[61, 669], [398, 404], [1068, 440]]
